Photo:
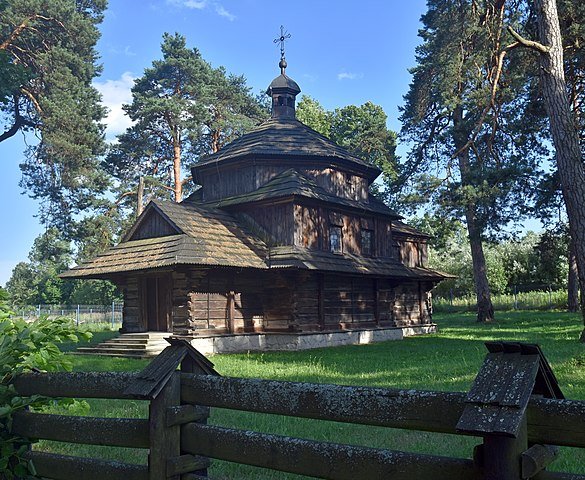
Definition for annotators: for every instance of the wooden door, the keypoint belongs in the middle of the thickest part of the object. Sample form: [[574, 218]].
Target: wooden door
[[156, 303]]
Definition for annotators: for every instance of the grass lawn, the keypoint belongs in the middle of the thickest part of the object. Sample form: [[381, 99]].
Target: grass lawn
[[448, 360]]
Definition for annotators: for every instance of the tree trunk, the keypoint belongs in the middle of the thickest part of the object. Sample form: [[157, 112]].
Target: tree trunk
[[178, 184], [573, 281], [485, 309], [140, 196], [563, 130]]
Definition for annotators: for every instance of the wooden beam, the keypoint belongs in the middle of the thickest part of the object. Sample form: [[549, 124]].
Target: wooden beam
[[116, 432], [319, 459], [321, 300], [550, 421], [63, 467], [77, 385], [181, 414], [186, 464], [536, 459]]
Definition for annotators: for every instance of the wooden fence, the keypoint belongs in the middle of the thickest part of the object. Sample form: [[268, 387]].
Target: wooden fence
[[181, 443]]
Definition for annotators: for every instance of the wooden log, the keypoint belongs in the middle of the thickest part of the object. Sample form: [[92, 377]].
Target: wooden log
[[181, 414], [186, 464], [536, 458], [63, 467], [550, 421], [77, 384], [319, 459], [116, 432], [164, 440], [369, 406]]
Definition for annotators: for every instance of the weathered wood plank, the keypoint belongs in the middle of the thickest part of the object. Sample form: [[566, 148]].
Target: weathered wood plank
[[181, 414], [117, 432], [319, 459], [186, 464], [63, 467], [550, 421], [77, 384]]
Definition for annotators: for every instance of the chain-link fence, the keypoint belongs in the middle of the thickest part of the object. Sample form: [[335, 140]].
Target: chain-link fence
[[93, 317]]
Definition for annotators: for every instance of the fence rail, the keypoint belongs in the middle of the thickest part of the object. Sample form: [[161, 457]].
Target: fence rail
[[89, 315], [180, 441]]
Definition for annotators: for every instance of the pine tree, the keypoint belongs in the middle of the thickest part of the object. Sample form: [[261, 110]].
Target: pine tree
[[47, 63], [461, 103]]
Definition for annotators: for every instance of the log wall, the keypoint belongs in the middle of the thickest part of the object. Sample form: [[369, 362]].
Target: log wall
[[277, 220], [341, 184]]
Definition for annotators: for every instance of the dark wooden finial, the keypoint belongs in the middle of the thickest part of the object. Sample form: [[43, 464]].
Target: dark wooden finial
[[284, 35]]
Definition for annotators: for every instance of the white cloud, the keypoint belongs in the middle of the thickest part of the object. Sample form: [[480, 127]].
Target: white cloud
[[202, 4], [349, 76], [197, 4], [222, 12], [115, 93]]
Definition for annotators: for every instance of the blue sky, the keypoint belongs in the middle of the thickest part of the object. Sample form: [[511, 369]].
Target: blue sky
[[341, 52]]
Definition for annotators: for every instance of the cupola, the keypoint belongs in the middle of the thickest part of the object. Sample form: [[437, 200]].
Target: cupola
[[283, 89]]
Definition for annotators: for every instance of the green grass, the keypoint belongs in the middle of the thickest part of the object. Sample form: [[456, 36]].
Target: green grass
[[448, 360], [536, 300]]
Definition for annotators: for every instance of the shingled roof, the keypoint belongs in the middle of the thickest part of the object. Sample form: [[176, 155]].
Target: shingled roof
[[292, 183], [306, 259], [288, 137], [208, 237]]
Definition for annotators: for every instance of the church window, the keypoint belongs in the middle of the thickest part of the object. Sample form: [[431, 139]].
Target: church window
[[335, 239]]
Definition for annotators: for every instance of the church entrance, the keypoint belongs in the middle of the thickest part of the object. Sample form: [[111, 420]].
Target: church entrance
[[156, 303]]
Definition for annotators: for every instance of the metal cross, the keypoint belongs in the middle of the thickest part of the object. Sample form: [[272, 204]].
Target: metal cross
[[283, 36]]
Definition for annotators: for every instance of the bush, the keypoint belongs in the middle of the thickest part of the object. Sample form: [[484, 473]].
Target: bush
[[26, 347]]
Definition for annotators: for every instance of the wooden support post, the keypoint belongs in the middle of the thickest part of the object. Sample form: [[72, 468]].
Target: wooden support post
[[164, 440], [321, 301], [231, 311], [502, 456], [377, 301]]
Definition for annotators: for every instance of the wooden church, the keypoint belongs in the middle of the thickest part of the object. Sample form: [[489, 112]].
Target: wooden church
[[282, 236]]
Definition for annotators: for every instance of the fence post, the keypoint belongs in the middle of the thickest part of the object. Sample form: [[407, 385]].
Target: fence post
[[113, 313], [188, 365], [515, 297], [77, 316], [165, 441], [502, 456]]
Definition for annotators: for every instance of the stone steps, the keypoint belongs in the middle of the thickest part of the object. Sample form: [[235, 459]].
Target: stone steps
[[130, 345]]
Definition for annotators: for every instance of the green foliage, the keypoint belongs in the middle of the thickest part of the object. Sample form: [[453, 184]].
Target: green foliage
[[311, 113], [475, 149], [531, 262], [361, 130], [47, 68], [37, 282], [25, 347], [182, 108], [94, 292]]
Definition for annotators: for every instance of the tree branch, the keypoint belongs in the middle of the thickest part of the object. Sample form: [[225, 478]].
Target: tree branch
[[19, 121], [539, 47]]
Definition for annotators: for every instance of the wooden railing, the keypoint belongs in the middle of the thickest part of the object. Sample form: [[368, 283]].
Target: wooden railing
[[180, 442]]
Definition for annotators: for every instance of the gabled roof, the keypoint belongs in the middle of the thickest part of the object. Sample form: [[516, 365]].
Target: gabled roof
[[208, 237], [287, 137], [292, 183]]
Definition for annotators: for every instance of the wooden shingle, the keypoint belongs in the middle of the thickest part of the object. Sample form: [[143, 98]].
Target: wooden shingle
[[509, 375]]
